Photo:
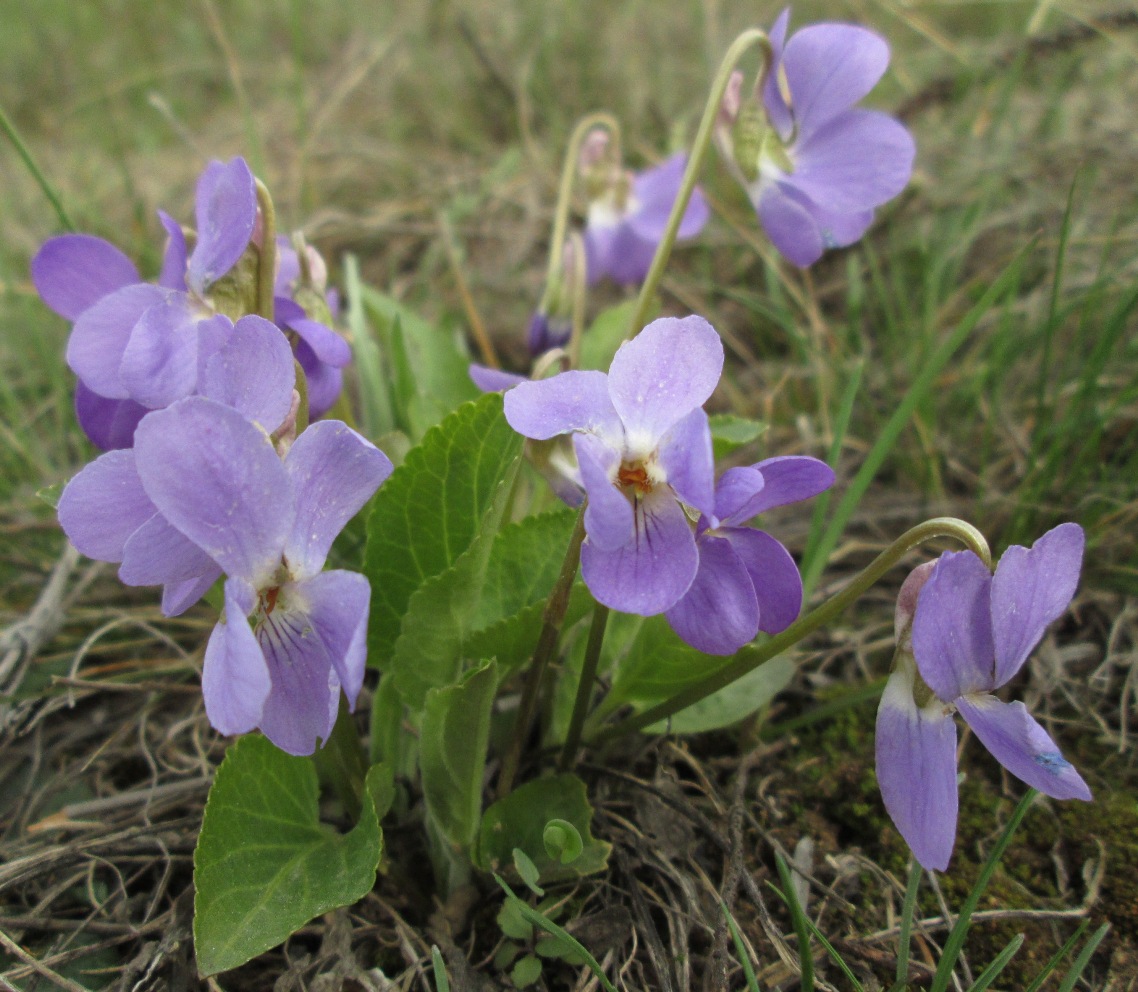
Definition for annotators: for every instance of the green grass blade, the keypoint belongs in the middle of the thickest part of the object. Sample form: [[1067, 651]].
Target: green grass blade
[[442, 983], [956, 938], [988, 975], [375, 411], [829, 948], [1063, 951], [1084, 958], [9, 129], [805, 955], [907, 910], [740, 949]]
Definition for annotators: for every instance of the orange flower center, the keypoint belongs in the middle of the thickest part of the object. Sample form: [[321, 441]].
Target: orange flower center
[[636, 476]]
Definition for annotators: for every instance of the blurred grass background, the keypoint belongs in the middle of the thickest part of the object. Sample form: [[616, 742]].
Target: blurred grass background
[[369, 121]]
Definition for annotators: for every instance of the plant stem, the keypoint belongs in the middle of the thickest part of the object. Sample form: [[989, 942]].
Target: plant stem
[[552, 619], [749, 38], [907, 909], [9, 129], [585, 686], [579, 290], [267, 259], [749, 660]]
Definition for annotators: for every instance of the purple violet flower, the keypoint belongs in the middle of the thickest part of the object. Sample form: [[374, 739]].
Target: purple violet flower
[[643, 449], [962, 634], [747, 581], [814, 165]]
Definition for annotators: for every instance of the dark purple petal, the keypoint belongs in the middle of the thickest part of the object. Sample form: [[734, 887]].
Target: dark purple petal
[[952, 629], [325, 343], [216, 477], [74, 271], [916, 771], [235, 678], [664, 373], [253, 372], [173, 275], [493, 380], [1022, 746], [778, 586], [1030, 590], [829, 67], [226, 206], [786, 479], [336, 604], [177, 597], [789, 223], [324, 382], [302, 704], [108, 423], [334, 472], [545, 333], [608, 514], [99, 338], [855, 162], [735, 491], [686, 457], [103, 505], [719, 613], [654, 569], [160, 361], [571, 401], [157, 554]]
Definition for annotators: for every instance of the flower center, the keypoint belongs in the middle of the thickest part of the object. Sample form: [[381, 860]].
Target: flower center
[[634, 475]]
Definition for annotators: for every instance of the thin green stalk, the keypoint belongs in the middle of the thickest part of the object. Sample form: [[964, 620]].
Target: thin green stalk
[[956, 938], [552, 619], [907, 909], [798, 918], [1084, 958], [740, 949], [585, 686], [749, 660], [1063, 951], [37, 174], [580, 292], [999, 963], [749, 38], [267, 259]]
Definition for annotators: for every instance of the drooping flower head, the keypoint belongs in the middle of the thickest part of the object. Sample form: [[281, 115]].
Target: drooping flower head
[[814, 165], [967, 635], [644, 458], [747, 581], [628, 212]]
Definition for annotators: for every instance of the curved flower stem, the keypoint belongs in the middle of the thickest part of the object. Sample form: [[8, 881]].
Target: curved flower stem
[[747, 661], [580, 291], [749, 38], [552, 619], [267, 259], [585, 686], [568, 174], [25, 154]]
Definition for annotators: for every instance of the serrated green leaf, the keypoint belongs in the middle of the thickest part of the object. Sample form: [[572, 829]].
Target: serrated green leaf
[[452, 746], [430, 651], [520, 819], [265, 865], [428, 512], [729, 433]]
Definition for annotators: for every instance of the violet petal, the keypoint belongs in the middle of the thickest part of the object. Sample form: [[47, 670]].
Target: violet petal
[[493, 380], [571, 401], [337, 604], [235, 678], [253, 372], [778, 586], [226, 207], [177, 597], [608, 513], [160, 361], [719, 613], [789, 224], [72, 272], [103, 505], [173, 274], [786, 479], [685, 455], [157, 553], [108, 423]]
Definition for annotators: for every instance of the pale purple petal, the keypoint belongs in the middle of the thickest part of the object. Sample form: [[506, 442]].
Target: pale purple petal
[[719, 613], [336, 604], [952, 629], [841, 229], [735, 491], [608, 514], [108, 423], [253, 373], [334, 472], [160, 361], [235, 678], [1030, 590], [302, 704], [669, 369], [599, 240], [829, 67], [786, 479], [325, 343], [654, 193], [103, 505], [628, 256], [226, 206], [288, 267], [1022, 746], [654, 569], [789, 224], [855, 162], [177, 597], [73, 272], [686, 457], [173, 275], [157, 554], [216, 477], [778, 586], [494, 380], [571, 401], [324, 382], [773, 99], [916, 771], [213, 335], [99, 338]]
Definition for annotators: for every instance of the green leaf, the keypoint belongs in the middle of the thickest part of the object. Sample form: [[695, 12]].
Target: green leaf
[[520, 820], [428, 512], [562, 841], [50, 494], [265, 865], [375, 412], [431, 649], [658, 664], [526, 971], [453, 743], [728, 433], [512, 923], [438, 966], [527, 871], [732, 703]]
